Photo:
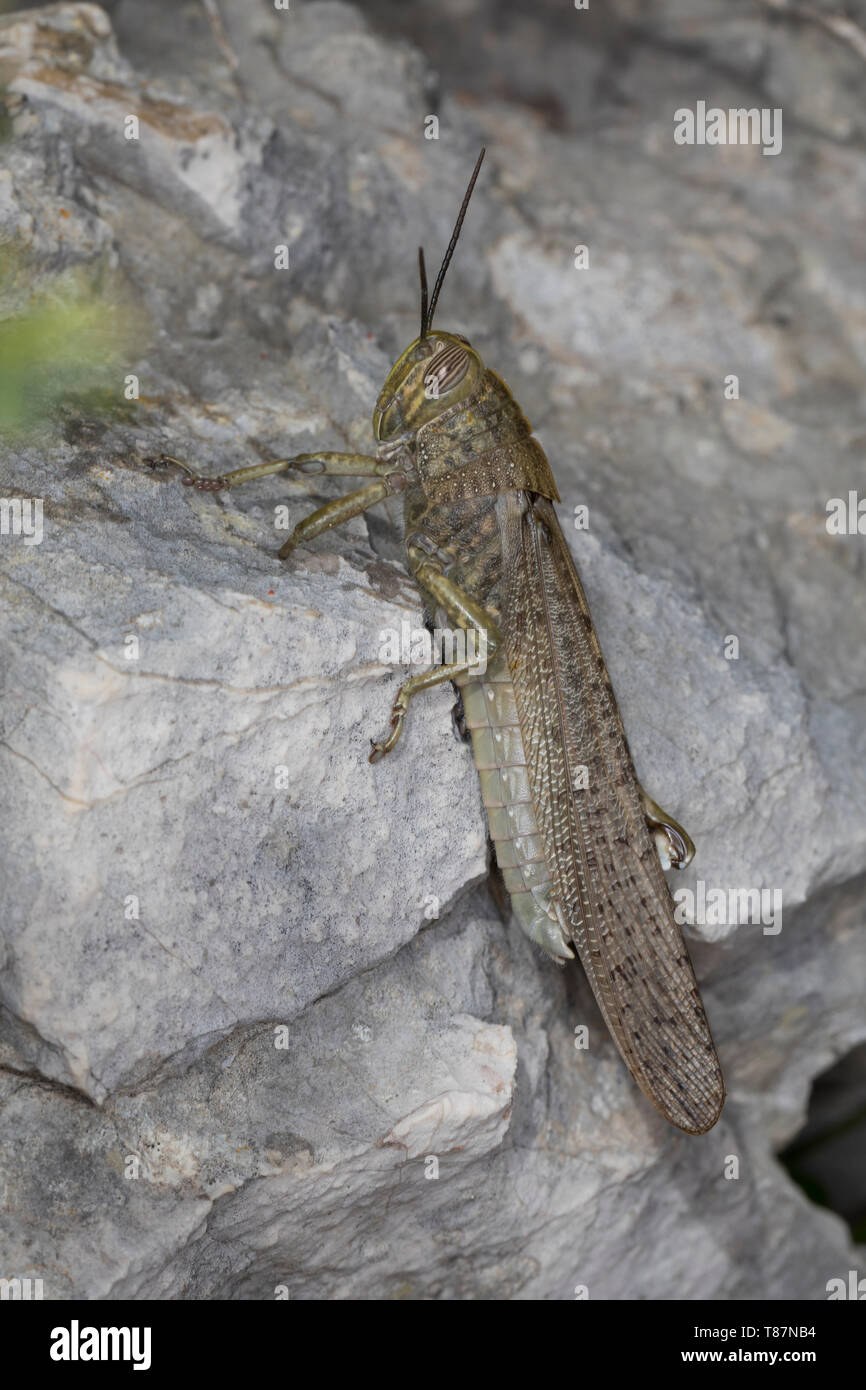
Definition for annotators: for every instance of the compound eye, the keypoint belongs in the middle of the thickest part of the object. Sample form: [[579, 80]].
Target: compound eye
[[447, 368]]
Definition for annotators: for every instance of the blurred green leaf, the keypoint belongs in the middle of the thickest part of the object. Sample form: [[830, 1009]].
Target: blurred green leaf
[[63, 337]]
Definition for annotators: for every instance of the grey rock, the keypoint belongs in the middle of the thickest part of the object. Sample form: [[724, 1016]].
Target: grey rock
[[251, 986]]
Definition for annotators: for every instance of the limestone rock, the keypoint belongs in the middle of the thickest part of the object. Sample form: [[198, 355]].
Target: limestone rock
[[250, 984]]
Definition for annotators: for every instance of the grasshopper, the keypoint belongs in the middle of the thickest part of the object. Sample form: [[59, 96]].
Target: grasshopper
[[579, 843]]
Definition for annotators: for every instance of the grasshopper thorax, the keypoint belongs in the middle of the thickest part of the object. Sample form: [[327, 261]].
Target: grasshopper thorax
[[435, 373]]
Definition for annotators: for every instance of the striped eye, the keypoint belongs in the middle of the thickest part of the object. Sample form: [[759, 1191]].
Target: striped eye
[[447, 368]]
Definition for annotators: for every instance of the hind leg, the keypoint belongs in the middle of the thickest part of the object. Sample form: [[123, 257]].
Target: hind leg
[[674, 844]]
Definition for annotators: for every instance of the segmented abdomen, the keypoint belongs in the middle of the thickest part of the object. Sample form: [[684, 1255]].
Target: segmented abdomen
[[497, 746]]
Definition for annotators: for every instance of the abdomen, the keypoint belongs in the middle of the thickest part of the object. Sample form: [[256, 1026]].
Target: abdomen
[[497, 746]]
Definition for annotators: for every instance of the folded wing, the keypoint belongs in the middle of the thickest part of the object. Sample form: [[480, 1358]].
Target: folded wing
[[612, 894]]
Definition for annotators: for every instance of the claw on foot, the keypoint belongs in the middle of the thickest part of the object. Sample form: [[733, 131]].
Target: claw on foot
[[458, 721], [192, 479], [674, 845], [669, 848], [203, 484], [378, 751]]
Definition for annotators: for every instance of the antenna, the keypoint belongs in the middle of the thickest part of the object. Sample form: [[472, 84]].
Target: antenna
[[423, 273], [427, 318]]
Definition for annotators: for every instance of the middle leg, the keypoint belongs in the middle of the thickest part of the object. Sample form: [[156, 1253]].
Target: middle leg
[[465, 613]]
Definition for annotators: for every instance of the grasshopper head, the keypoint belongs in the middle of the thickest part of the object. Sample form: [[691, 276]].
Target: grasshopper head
[[434, 373]]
